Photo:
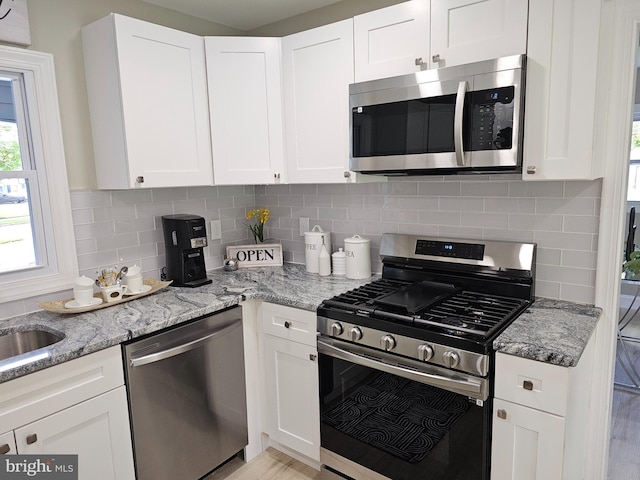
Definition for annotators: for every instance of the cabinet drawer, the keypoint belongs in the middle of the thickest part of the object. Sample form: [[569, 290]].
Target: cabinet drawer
[[42, 393], [533, 384], [290, 323]]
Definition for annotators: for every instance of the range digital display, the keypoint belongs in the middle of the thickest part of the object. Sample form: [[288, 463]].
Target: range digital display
[[469, 251]]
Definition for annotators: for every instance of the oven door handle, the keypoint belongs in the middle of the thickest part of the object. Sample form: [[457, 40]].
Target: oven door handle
[[454, 381]]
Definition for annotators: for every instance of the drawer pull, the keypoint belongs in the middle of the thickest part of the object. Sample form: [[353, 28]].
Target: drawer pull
[[312, 357], [502, 414], [31, 439], [527, 385], [287, 324], [4, 449]]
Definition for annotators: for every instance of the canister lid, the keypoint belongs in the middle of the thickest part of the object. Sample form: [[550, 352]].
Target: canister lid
[[356, 239], [340, 253], [316, 231]]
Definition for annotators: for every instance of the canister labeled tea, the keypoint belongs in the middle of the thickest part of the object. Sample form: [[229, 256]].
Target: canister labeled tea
[[358, 257]]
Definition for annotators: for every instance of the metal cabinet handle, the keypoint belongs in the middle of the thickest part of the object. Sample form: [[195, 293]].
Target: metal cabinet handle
[[436, 58], [531, 169], [287, 324], [31, 439], [4, 449], [347, 174], [276, 176], [419, 62], [527, 385], [502, 414], [312, 357], [140, 179]]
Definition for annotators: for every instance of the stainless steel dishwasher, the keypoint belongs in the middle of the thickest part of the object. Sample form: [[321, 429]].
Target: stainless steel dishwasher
[[187, 400]]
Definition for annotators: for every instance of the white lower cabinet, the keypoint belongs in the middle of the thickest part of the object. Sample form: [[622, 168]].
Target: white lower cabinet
[[96, 430], [527, 443], [8, 444], [78, 407], [292, 410], [539, 412]]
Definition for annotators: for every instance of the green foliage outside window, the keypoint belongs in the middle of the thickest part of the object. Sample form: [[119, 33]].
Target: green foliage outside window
[[10, 159]]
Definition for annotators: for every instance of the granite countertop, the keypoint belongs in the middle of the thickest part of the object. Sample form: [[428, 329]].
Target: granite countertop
[[550, 331]]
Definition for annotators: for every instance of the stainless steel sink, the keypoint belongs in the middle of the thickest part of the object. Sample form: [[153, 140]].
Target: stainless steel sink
[[17, 343]]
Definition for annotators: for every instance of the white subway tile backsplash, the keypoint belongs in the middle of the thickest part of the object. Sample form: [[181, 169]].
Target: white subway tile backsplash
[[549, 256], [561, 217], [536, 189], [164, 195], [581, 224], [116, 241], [563, 241], [461, 204], [441, 189], [577, 293], [485, 220], [400, 188], [573, 206], [484, 189], [510, 205], [551, 223]]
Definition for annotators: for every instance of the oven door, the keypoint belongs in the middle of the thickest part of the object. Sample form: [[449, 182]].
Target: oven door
[[384, 416]]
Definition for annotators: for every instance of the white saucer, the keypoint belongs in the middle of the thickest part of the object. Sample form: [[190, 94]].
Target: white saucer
[[73, 304], [144, 289]]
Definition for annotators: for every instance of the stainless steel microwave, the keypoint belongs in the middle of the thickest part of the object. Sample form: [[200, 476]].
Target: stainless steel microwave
[[462, 119]]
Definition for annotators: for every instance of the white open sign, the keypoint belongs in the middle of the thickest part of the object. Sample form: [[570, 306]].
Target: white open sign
[[258, 255]]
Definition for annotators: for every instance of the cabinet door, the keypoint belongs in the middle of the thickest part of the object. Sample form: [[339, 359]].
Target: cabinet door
[[562, 71], [391, 41], [293, 409], [317, 70], [464, 31], [245, 107], [97, 430], [527, 444], [147, 91], [7, 444]]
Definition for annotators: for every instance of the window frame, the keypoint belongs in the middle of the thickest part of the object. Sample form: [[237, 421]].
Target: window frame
[[60, 269]]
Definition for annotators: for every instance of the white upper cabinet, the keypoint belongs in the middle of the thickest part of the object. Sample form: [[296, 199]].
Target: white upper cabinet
[[465, 31], [245, 105], [317, 69], [391, 41], [563, 67], [147, 92]]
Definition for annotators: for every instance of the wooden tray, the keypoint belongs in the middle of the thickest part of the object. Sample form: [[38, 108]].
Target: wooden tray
[[58, 306]]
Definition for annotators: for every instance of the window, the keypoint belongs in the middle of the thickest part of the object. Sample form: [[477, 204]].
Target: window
[[37, 248]]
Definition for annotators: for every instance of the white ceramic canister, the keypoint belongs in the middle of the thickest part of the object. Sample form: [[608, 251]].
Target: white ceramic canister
[[312, 242], [358, 257], [339, 262]]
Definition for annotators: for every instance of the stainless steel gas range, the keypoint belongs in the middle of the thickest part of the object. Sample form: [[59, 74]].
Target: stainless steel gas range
[[406, 362]]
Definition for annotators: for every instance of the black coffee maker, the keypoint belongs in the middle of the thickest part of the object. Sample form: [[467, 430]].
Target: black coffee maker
[[185, 237]]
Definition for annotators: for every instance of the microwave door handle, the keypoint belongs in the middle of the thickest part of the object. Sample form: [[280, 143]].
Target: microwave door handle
[[457, 123]]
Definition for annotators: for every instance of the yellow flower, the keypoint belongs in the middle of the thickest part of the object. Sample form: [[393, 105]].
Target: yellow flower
[[261, 215]]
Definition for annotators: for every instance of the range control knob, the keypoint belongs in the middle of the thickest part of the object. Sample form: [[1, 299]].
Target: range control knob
[[355, 334], [450, 359], [388, 343], [425, 352], [336, 329]]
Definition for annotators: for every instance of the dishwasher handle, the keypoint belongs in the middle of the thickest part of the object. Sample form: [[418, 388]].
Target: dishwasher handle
[[185, 347]]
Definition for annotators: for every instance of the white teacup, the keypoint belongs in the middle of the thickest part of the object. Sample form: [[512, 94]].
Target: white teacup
[[83, 290], [134, 283], [113, 292]]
